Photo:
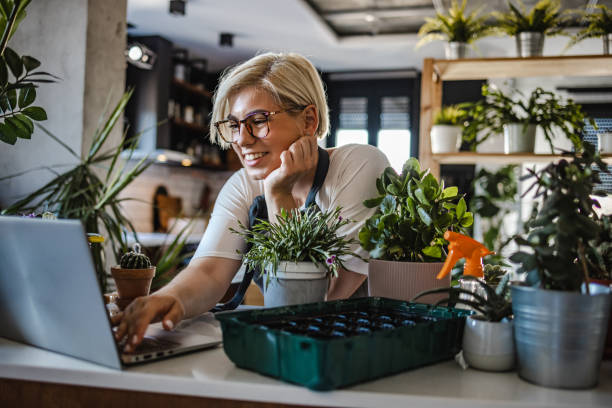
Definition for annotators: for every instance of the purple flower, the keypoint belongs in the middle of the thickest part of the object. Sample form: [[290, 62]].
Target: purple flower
[[331, 259], [339, 218]]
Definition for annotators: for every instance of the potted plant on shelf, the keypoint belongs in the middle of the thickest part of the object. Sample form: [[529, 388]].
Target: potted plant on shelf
[[405, 237], [132, 276], [488, 343], [531, 27], [560, 316], [457, 28], [447, 129], [297, 254], [599, 24]]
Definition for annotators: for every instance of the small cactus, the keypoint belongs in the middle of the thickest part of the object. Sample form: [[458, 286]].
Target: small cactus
[[135, 259]]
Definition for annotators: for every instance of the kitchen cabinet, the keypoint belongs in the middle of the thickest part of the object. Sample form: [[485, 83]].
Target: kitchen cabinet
[[436, 71]]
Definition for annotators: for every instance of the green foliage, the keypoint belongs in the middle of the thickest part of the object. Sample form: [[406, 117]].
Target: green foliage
[[79, 192], [544, 17], [19, 93], [456, 26], [599, 250], [309, 236], [135, 259], [565, 228], [450, 115], [543, 108], [414, 212], [495, 306], [598, 23]]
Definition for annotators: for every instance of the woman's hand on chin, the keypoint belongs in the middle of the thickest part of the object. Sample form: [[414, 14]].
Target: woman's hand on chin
[[296, 162]]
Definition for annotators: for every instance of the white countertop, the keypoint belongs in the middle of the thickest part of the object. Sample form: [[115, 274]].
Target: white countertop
[[210, 373]]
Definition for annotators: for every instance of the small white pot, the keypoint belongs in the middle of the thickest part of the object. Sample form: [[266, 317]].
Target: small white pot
[[488, 345], [604, 141], [445, 138], [296, 283], [492, 144], [517, 139]]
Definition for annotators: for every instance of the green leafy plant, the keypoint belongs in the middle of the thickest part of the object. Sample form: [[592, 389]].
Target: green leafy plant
[[81, 194], [309, 236], [542, 108], [494, 307], [544, 17], [599, 250], [450, 115], [599, 24], [414, 212], [17, 94], [456, 26], [565, 228]]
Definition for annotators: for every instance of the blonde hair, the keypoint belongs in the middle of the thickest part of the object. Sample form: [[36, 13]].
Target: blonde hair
[[290, 78]]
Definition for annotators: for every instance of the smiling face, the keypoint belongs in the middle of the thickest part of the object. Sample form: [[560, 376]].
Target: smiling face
[[261, 156]]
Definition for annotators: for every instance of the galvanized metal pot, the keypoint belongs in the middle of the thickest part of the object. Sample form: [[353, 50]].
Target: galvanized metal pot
[[296, 283], [529, 44], [518, 139], [488, 345], [455, 50], [607, 44], [559, 335]]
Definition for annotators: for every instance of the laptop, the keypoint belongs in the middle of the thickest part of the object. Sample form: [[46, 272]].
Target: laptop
[[50, 297]]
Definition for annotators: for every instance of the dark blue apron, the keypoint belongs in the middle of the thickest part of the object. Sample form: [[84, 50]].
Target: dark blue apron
[[259, 211]]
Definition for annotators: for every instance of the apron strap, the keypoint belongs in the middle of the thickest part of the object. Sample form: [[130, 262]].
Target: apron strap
[[259, 211]]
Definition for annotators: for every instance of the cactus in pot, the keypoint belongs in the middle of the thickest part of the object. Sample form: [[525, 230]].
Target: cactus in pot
[[132, 276]]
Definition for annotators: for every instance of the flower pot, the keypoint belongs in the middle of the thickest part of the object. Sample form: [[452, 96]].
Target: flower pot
[[132, 283], [607, 355], [404, 280], [517, 139], [560, 335], [445, 138], [607, 44], [604, 141], [529, 44], [492, 144], [455, 50], [296, 283], [488, 345]]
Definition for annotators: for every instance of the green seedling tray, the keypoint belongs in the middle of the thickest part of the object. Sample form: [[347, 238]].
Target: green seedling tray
[[329, 345]]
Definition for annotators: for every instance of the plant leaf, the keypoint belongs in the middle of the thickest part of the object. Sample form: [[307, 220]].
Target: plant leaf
[[14, 62], [35, 112], [26, 96]]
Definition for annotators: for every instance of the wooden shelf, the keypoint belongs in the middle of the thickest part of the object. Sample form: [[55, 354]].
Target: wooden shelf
[[191, 126], [499, 158], [192, 88], [484, 68]]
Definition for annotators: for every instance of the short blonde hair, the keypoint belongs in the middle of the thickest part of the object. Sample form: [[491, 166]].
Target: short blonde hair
[[290, 78]]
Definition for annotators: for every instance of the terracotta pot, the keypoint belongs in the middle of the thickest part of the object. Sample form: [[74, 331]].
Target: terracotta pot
[[132, 283], [608, 345], [404, 280]]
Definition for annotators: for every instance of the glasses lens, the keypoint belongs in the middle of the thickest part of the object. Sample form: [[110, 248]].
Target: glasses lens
[[258, 125], [227, 130]]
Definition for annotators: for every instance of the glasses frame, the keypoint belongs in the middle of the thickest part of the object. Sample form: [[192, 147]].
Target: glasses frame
[[249, 128]]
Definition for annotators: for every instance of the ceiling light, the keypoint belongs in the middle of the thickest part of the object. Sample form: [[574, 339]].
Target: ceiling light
[[140, 55], [369, 18], [177, 7]]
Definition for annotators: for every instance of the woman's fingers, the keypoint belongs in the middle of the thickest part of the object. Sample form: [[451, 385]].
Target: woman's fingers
[[174, 316]]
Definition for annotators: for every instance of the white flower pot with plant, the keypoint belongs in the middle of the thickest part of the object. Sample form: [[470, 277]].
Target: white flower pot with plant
[[457, 29], [560, 317], [405, 237], [519, 137], [531, 27], [599, 24], [297, 254], [604, 140], [447, 130]]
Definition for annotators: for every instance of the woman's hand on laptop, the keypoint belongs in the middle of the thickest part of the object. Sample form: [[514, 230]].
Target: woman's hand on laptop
[[132, 323]]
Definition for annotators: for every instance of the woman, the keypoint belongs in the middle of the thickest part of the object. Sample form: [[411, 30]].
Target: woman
[[271, 109]]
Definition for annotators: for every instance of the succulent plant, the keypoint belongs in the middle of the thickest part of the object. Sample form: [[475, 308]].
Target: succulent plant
[[135, 259]]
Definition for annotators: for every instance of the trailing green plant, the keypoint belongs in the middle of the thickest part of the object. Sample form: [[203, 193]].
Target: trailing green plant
[[565, 228], [81, 194], [17, 94], [542, 108], [135, 259], [598, 24], [544, 17], [309, 236], [457, 26], [494, 307], [414, 212], [450, 115]]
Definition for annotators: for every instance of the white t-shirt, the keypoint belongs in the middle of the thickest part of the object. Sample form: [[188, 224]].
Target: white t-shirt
[[351, 179]]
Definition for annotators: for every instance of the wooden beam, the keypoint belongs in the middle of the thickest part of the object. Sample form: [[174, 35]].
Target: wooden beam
[[431, 101]]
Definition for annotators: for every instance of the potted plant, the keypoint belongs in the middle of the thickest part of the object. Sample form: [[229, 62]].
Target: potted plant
[[560, 316], [457, 28], [297, 254], [132, 276], [488, 343], [447, 129], [531, 27], [599, 24], [405, 237]]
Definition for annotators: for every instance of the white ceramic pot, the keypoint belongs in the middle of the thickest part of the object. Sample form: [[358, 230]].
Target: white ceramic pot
[[604, 141], [492, 144], [296, 283], [488, 345], [518, 139], [404, 280], [445, 138]]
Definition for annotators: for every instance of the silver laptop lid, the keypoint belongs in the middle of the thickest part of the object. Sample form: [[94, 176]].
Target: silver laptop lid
[[49, 293]]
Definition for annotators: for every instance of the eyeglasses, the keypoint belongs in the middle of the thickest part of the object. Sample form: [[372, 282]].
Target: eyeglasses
[[256, 123]]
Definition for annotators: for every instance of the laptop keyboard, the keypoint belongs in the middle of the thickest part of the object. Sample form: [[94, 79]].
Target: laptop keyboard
[[153, 344]]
